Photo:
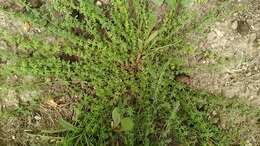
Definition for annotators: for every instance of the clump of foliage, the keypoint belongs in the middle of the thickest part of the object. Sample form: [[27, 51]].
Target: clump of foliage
[[125, 63]]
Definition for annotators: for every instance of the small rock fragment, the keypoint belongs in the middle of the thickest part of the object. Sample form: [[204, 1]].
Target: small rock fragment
[[99, 3], [13, 137], [234, 25], [102, 2], [38, 118]]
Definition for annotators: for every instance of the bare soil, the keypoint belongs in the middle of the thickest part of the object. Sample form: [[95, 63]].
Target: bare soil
[[228, 58]]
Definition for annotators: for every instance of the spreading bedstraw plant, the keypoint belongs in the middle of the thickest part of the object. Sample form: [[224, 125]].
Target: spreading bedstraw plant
[[129, 60]]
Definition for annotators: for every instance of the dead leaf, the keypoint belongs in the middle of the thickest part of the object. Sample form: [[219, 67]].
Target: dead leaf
[[51, 103], [27, 26]]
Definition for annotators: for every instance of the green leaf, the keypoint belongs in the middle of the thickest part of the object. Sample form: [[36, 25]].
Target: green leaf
[[116, 116], [158, 2], [68, 126], [127, 124], [171, 3], [186, 3], [151, 37]]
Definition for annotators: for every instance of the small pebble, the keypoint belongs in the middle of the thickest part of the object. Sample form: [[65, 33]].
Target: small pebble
[[37, 118], [234, 25], [99, 3], [13, 137]]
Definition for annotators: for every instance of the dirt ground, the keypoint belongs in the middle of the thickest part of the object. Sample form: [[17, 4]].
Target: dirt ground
[[228, 62]]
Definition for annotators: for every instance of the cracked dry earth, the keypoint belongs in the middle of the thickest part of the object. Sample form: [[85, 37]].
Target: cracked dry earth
[[229, 60]]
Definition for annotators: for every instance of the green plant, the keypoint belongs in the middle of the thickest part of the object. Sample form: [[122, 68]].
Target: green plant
[[127, 123], [128, 62]]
